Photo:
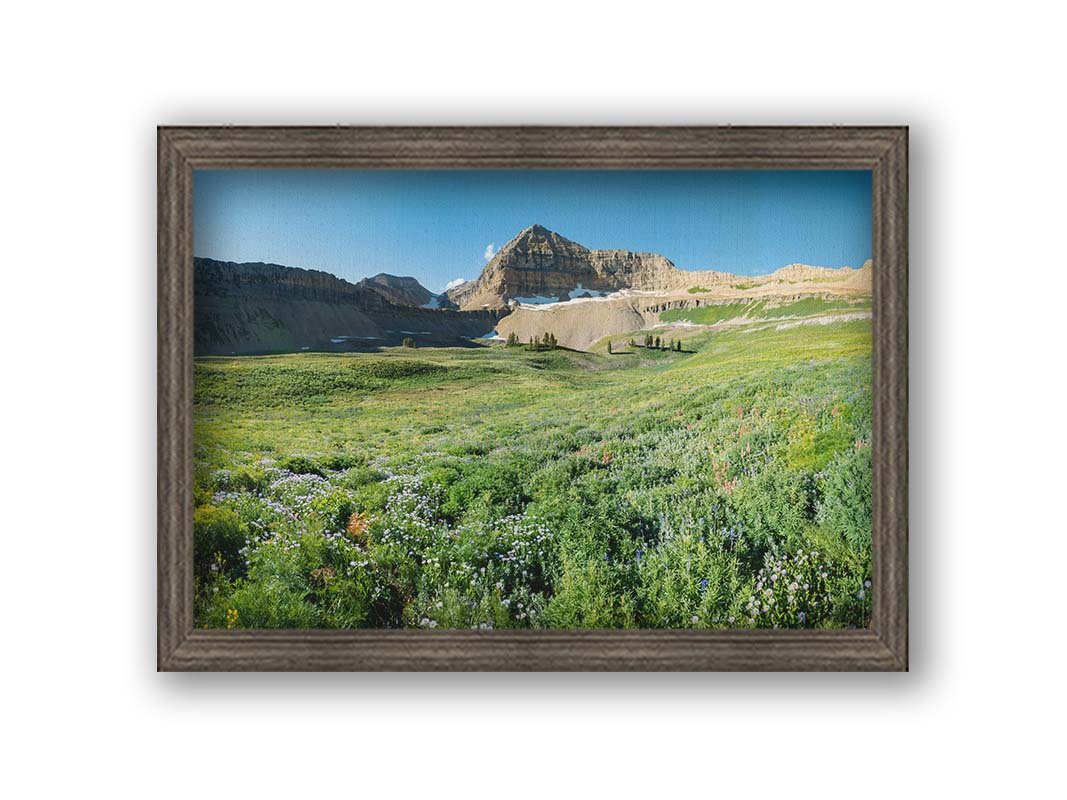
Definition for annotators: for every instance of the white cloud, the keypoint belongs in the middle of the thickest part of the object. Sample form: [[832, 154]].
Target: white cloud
[[455, 282], [490, 251]]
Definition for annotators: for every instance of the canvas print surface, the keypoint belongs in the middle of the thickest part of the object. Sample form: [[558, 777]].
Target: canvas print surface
[[532, 399]]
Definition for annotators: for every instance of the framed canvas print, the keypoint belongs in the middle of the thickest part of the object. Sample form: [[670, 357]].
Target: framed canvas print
[[532, 398]]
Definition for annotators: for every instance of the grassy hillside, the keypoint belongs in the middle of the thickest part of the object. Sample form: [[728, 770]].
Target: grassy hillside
[[762, 309], [497, 487]]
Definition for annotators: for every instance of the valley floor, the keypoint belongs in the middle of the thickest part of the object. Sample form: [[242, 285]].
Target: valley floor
[[724, 486]]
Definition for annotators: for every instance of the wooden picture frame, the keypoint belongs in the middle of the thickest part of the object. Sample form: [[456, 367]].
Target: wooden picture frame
[[883, 150]]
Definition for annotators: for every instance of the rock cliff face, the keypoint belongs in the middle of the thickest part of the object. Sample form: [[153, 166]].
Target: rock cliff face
[[264, 308], [538, 282], [405, 291], [541, 266]]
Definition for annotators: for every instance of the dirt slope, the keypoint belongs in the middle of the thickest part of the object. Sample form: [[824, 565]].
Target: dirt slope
[[579, 323]]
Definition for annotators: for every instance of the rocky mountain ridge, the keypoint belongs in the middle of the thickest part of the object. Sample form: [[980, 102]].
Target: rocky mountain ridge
[[545, 282], [541, 266], [539, 263], [405, 291], [262, 308], [538, 282]]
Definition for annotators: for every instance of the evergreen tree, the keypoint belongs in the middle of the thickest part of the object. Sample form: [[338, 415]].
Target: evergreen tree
[[657, 345], [609, 347]]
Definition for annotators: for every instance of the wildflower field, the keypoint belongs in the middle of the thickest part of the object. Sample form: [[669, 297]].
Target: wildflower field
[[724, 486]]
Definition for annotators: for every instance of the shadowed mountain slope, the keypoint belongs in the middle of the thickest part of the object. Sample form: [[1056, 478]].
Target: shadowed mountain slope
[[263, 308], [405, 291]]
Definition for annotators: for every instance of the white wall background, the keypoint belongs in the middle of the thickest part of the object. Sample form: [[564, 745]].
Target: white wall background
[[84, 87]]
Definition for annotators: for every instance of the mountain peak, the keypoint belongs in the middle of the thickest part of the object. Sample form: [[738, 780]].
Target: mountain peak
[[537, 238], [388, 279], [539, 263], [400, 289], [538, 233]]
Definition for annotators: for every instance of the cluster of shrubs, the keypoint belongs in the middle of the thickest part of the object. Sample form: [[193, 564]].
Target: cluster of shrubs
[[546, 341], [651, 342]]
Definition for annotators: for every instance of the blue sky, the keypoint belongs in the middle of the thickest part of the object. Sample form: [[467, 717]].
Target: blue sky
[[441, 225]]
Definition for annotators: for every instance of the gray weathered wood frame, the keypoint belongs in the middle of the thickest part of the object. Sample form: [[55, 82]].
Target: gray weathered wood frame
[[884, 150]]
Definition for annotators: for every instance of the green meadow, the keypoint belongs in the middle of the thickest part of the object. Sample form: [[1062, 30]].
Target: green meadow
[[761, 309], [724, 486]]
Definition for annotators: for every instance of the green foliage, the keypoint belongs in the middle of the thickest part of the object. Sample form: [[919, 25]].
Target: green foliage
[[332, 509], [546, 341], [219, 535], [276, 594], [792, 592], [341, 461], [408, 342], [691, 581], [707, 314], [303, 381], [586, 597], [371, 498], [495, 488], [241, 479], [486, 489], [814, 441], [300, 465], [761, 309], [357, 477], [845, 504], [813, 305], [775, 505]]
